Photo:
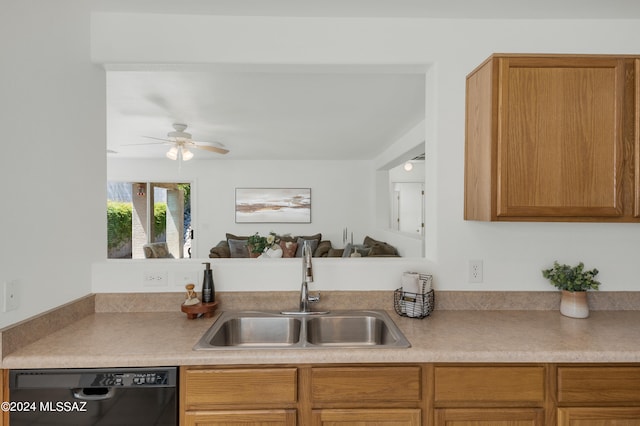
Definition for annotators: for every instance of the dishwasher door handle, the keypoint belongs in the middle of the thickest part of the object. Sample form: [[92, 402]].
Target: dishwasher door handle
[[101, 395]]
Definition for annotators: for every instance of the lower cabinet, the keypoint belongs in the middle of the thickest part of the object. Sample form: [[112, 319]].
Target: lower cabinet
[[360, 395], [598, 395], [599, 416], [411, 395], [259, 396], [241, 417], [366, 417], [489, 416], [472, 395], [304, 395]]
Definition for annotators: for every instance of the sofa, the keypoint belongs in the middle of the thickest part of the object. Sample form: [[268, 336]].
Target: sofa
[[236, 246], [157, 251]]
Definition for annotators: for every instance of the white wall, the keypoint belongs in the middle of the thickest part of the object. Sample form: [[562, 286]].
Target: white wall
[[340, 194], [52, 162], [53, 123], [513, 253]]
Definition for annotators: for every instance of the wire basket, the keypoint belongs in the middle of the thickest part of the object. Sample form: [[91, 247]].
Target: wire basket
[[415, 305]]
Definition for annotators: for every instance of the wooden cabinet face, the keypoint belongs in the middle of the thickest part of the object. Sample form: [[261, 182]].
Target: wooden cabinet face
[[560, 138], [553, 138], [489, 417], [365, 385], [597, 385], [478, 386], [371, 417], [206, 387], [241, 418], [600, 416]]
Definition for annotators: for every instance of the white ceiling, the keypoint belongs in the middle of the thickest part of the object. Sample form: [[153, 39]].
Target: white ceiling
[[480, 9], [306, 113], [321, 114]]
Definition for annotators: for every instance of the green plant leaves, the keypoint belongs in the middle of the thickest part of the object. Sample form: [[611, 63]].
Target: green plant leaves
[[569, 278]]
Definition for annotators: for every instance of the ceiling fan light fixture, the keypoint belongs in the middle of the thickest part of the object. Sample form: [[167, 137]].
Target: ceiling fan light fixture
[[186, 154], [172, 154]]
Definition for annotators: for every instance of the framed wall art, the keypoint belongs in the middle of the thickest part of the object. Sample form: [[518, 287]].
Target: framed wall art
[[273, 205]]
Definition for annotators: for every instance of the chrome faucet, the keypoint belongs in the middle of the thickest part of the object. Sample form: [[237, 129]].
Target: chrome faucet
[[307, 277]]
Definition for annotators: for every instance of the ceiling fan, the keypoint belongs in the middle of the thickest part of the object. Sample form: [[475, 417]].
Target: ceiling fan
[[181, 143]]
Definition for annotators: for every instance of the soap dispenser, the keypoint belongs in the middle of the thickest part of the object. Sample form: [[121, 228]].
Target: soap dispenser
[[208, 290]]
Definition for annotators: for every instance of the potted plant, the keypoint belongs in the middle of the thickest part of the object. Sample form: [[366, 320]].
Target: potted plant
[[259, 245], [574, 281]]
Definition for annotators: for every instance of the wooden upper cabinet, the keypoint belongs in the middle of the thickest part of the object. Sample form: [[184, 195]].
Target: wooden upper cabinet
[[552, 138]]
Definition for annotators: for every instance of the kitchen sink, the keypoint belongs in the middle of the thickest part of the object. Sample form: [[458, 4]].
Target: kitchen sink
[[350, 330], [273, 330], [256, 331]]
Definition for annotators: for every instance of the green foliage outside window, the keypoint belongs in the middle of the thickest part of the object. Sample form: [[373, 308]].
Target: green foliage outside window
[[118, 223], [160, 215], [119, 218]]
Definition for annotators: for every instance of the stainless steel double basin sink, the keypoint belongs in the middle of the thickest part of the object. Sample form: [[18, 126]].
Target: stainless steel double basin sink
[[272, 330]]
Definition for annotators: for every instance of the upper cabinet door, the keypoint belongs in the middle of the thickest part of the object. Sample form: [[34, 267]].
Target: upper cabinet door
[[554, 135], [560, 137]]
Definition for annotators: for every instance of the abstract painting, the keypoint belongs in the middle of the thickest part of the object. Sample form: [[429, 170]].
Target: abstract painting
[[273, 205]]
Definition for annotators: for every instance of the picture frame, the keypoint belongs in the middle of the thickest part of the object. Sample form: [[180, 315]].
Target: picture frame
[[273, 205]]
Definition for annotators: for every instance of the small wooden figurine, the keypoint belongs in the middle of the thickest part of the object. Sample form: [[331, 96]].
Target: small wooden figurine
[[192, 297]]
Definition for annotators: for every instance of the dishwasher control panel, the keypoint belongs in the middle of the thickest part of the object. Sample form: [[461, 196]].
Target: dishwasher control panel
[[152, 378], [86, 378]]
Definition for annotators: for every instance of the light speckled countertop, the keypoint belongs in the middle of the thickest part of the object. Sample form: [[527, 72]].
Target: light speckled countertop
[[166, 338]]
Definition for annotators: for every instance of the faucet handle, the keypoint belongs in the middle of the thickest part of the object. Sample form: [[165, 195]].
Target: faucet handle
[[314, 299]]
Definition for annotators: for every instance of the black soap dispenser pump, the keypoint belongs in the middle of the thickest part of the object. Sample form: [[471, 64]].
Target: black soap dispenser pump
[[208, 290]]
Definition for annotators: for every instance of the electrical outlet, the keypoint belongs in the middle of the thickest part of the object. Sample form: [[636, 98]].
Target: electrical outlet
[[11, 296], [155, 279], [475, 271]]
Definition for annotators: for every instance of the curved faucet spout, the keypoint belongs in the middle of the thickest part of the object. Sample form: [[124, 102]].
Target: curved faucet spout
[[307, 277]]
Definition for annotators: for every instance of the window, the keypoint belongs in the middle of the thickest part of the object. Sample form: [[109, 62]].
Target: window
[[148, 220]]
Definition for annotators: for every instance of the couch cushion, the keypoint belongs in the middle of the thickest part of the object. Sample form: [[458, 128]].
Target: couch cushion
[[335, 252], [288, 248], [221, 250], [350, 249], [158, 251], [314, 241], [238, 248], [236, 237], [148, 253], [323, 249], [380, 248], [313, 244]]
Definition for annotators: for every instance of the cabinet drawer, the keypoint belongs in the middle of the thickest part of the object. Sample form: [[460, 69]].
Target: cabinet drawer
[[369, 417], [240, 386], [598, 416], [598, 384], [241, 417], [365, 384], [514, 385]]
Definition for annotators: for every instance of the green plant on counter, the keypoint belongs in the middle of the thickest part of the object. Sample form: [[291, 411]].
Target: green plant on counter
[[571, 278]]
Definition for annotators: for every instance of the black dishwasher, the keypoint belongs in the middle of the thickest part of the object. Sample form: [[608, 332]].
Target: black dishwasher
[[96, 397]]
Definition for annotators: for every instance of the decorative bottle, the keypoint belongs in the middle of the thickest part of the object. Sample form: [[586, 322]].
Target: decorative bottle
[[208, 290]]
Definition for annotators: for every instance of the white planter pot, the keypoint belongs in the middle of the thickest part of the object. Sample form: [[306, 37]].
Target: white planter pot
[[272, 252], [574, 304]]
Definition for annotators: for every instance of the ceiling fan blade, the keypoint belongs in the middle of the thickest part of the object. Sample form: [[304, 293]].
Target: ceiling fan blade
[[159, 139], [142, 144], [211, 148]]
